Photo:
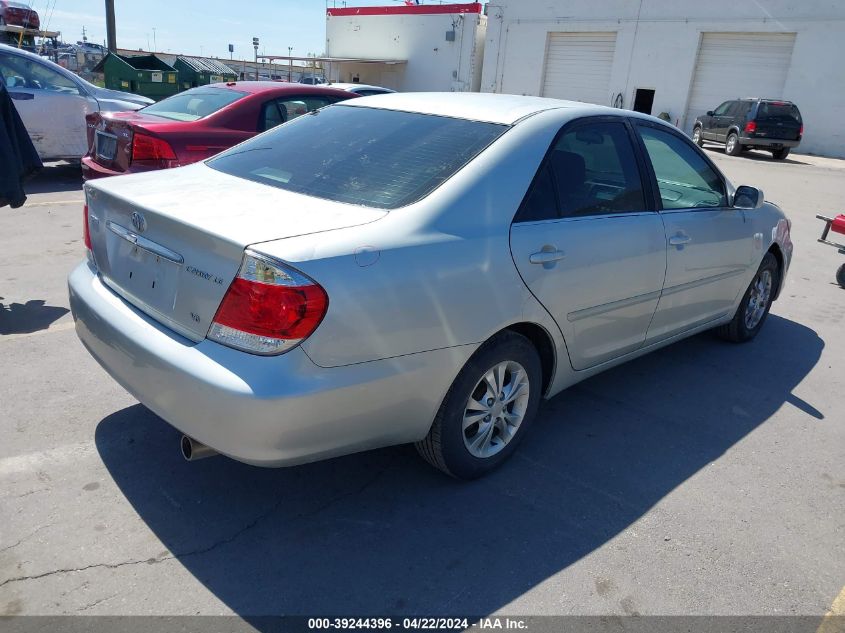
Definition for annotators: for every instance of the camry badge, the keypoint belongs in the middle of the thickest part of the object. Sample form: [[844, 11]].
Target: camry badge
[[139, 222]]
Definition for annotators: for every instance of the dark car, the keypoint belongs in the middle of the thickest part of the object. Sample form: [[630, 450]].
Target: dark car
[[741, 124], [18, 14], [195, 124]]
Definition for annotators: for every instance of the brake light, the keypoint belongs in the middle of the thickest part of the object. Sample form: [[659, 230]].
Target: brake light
[[800, 131], [269, 308], [751, 127], [145, 147]]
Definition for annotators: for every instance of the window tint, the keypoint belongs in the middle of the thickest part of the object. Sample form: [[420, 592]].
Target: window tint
[[194, 104], [684, 178], [540, 203], [378, 158], [270, 116], [595, 171], [722, 109], [19, 72], [778, 110]]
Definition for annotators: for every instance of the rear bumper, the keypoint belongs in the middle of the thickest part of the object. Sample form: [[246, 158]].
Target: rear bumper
[[266, 411], [750, 141], [91, 169]]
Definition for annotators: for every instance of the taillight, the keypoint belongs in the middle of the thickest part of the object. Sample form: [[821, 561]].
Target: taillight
[[145, 147], [269, 308], [750, 127], [800, 131]]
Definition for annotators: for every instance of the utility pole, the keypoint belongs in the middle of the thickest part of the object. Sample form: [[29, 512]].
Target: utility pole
[[155, 46], [290, 63], [111, 33], [255, 46]]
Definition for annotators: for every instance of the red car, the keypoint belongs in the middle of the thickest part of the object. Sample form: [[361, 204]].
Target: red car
[[194, 125], [18, 14]]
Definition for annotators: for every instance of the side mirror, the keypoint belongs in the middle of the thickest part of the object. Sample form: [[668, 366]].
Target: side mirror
[[710, 113], [748, 198]]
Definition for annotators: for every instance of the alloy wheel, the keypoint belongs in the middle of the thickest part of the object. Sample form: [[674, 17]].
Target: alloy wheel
[[758, 300], [495, 409]]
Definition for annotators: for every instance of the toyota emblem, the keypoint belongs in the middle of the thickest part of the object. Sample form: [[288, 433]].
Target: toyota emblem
[[139, 222]]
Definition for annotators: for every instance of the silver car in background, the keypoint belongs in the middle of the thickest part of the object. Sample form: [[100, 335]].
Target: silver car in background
[[414, 268], [53, 102]]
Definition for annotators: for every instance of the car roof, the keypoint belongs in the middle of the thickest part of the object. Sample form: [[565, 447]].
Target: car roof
[[255, 87], [477, 106]]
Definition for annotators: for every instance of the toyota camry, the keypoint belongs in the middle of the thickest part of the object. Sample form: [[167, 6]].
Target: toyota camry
[[414, 268]]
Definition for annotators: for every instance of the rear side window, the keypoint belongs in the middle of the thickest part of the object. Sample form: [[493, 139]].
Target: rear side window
[[377, 158], [283, 110], [194, 104], [778, 110], [684, 178], [591, 170]]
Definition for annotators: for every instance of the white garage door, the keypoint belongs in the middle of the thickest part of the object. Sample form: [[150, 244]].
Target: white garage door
[[578, 66], [732, 65]]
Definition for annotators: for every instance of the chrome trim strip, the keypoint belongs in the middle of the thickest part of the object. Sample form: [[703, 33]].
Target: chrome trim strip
[[700, 282], [613, 305], [144, 243]]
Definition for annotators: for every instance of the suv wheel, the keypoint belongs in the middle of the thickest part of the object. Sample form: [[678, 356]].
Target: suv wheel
[[733, 146], [780, 154], [696, 136]]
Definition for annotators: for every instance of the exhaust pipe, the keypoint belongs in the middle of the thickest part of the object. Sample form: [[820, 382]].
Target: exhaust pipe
[[193, 450]]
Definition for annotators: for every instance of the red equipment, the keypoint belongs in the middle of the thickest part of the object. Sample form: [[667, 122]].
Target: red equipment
[[837, 225]]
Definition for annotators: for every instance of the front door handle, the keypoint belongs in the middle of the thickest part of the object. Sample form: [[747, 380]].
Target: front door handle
[[22, 96], [547, 257], [680, 239]]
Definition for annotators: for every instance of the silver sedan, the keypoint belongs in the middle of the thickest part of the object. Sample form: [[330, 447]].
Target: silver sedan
[[414, 268]]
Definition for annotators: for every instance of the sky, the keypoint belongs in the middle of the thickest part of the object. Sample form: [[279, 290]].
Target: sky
[[200, 27]]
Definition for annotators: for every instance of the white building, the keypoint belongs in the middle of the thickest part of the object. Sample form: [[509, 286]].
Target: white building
[[441, 45], [676, 56]]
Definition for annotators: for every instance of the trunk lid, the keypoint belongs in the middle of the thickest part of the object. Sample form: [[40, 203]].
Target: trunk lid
[[778, 120], [171, 242], [111, 134]]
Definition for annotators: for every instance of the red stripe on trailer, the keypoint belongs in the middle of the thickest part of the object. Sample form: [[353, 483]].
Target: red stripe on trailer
[[416, 9]]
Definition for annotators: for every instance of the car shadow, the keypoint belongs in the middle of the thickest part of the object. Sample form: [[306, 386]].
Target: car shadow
[[25, 318], [759, 155], [383, 533], [55, 178]]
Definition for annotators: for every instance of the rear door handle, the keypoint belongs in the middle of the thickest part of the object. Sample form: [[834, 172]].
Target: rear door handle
[[546, 257], [680, 239]]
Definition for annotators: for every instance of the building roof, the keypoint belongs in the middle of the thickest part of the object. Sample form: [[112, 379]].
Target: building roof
[[206, 65], [477, 106], [413, 9]]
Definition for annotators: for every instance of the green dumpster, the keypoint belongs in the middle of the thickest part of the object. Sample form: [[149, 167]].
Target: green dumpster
[[199, 71], [145, 75]]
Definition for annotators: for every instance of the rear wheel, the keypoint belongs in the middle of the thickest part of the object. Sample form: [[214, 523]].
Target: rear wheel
[[732, 145], [696, 136], [780, 154], [840, 276], [755, 304], [487, 410]]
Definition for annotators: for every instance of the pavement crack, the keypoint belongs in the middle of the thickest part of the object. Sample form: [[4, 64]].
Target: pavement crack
[[27, 537], [95, 603]]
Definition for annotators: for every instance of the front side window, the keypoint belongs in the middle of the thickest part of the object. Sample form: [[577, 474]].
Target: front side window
[[194, 104], [372, 157], [722, 109], [19, 72], [684, 178]]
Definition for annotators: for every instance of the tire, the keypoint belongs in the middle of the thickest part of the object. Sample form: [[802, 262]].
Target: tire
[[780, 154], [752, 313], [447, 445], [840, 276], [732, 145], [696, 136]]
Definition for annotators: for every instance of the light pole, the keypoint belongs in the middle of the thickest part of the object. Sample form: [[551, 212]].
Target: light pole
[[155, 46], [255, 46], [290, 63]]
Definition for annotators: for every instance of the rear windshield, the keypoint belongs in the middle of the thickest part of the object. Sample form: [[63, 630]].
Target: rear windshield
[[193, 104], [778, 110], [376, 158]]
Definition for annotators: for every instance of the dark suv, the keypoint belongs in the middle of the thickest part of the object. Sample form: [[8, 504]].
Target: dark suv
[[743, 124]]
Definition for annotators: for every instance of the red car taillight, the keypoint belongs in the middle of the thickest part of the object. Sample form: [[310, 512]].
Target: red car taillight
[[269, 308], [86, 233], [145, 147], [750, 127]]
